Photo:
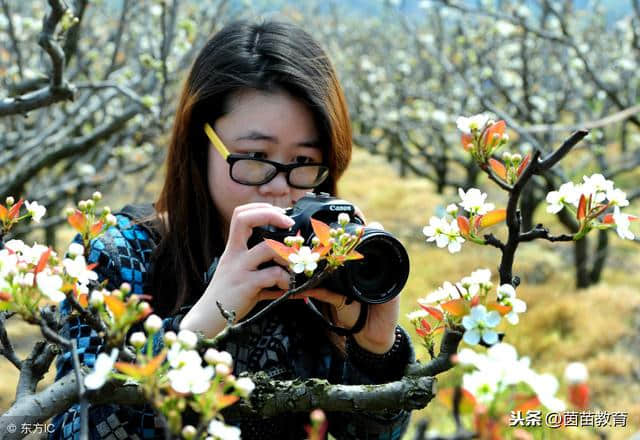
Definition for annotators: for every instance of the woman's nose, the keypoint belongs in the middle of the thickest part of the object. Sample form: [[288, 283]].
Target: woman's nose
[[277, 186]]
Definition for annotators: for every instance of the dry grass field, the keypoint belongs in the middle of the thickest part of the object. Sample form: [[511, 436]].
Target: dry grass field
[[599, 326]]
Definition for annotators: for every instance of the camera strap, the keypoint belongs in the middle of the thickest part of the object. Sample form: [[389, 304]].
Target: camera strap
[[359, 325]]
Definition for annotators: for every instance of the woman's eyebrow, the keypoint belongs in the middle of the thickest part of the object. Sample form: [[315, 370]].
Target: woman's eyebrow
[[259, 136]]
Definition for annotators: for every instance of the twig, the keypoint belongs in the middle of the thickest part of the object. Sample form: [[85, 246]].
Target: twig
[[540, 232], [84, 404], [7, 348]]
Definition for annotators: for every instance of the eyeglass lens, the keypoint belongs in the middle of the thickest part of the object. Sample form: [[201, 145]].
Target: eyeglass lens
[[253, 172]]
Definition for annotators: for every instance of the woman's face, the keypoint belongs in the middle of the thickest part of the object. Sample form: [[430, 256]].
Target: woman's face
[[274, 126]]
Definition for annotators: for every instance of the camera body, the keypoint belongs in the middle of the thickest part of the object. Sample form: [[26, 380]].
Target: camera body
[[377, 278]]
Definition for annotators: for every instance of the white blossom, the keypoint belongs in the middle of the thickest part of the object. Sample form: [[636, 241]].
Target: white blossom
[[473, 201], [75, 249], [622, 224], [153, 323], [77, 268], [507, 296], [304, 260], [479, 325], [191, 378], [36, 210], [576, 373], [444, 233], [476, 122], [187, 338], [220, 431], [567, 193], [102, 368], [617, 197], [51, 285]]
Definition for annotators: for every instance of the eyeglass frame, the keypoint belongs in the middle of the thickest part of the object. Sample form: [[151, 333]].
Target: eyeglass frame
[[232, 158]]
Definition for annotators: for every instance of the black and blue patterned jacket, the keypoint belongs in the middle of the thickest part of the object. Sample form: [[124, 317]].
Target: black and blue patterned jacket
[[288, 343]]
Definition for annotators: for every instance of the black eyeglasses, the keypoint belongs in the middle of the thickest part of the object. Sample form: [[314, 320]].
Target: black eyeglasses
[[248, 170]]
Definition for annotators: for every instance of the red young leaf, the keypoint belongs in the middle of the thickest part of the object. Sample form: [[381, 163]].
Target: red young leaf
[[466, 140], [5, 296], [96, 227], [83, 300], [523, 164], [4, 213], [77, 220], [354, 255], [582, 208], [608, 219], [475, 300], [322, 250], [498, 168], [280, 248], [115, 304], [463, 224], [433, 312], [227, 400], [425, 325], [15, 209], [502, 309], [579, 395], [495, 129], [528, 404], [42, 262], [321, 230], [139, 371], [492, 218], [457, 307], [422, 332]]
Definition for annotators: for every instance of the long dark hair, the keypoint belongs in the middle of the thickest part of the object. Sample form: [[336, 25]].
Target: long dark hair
[[269, 56]]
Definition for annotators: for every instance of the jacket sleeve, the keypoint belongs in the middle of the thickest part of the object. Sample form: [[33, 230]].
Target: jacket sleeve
[[362, 367], [119, 260]]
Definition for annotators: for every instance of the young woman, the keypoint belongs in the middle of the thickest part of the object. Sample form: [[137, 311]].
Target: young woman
[[261, 121]]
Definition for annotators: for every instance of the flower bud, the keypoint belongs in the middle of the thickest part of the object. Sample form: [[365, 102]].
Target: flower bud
[[97, 298], [576, 372], [10, 201], [506, 157], [188, 339], [516, 159], [223, 370], [170, 338], [90, 203], [299, 239], [343, 218], [143, 306], [106, 210], [211, 356], [315, 241], [82, 205], [153, 324], [289, 240], [359, 230], [317, 416], [505, 138], [97, 196], [137, 339], [75, 249], [125, 288], [111, 220], [68, 211], [333, 232], [245, 386], [189, 432]]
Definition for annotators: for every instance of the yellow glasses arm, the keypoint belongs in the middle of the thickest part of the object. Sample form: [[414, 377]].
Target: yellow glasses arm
[[215, 140]]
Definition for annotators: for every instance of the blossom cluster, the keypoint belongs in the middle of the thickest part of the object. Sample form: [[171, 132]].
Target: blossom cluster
[[481, 136], [333, 245], [30, 274], [10, 212], [499, 375], [466, 304], [589, 201], [452, 230], [176, 377]]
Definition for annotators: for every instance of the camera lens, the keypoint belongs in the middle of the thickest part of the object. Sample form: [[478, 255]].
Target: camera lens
[[383, 272]]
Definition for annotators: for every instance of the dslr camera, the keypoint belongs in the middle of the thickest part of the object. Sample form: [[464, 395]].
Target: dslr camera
[[375, 279]]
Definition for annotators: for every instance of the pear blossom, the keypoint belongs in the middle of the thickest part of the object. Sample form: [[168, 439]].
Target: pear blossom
[[191, 378], [188, 338], [417, 315], [50, 284], [622, 224], [479, 326], [220, 431], [97, 298], [567, 193], [476, 122], [75, 249], [304, 260], [507, 296], [36, 210], [446, 292], [575, 373], [484, 385], [473, 201], [546, 386], [597, 187], [444, 233], [77, 268], [617, 197], [103, 366], [213, 356]]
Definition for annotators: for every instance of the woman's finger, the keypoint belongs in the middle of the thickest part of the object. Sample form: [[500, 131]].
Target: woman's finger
[[244, 220]]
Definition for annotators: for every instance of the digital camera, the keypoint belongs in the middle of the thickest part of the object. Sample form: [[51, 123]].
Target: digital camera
[[375, 279]]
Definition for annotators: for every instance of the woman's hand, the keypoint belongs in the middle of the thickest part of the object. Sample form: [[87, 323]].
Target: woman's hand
[[238, 284]]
